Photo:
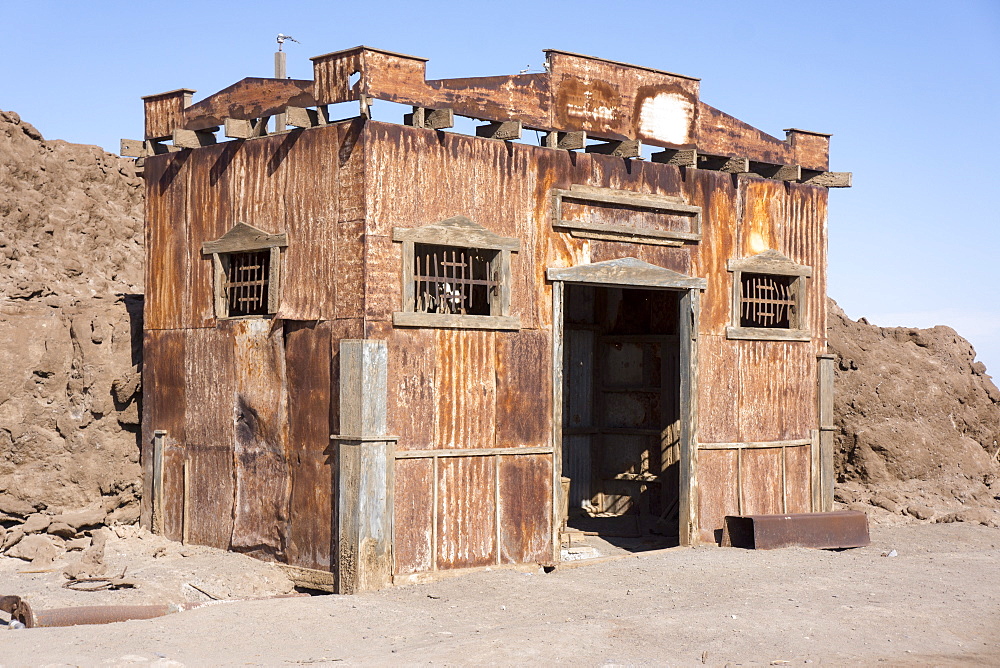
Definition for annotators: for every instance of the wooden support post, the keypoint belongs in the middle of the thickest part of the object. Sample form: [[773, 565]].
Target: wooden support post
[[690, 307], [567, 141], [677, 157], [721, 163], [826, 179], [826, 429], [430, 119], [133, 148], [194, 138], [158, 436], [301, 117], [776, 172], [628, 148], [366, 457], [505, 130]]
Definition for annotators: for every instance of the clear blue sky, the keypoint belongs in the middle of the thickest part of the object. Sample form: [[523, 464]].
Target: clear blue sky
[[910, 91]]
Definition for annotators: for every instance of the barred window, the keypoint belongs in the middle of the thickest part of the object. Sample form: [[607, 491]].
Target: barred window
[[459, 281], [247, 263], [246, 282], [456, 274], [769, 298]]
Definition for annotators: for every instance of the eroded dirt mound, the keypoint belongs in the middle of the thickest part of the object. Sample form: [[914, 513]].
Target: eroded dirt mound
[[70, 322], [918, 422]]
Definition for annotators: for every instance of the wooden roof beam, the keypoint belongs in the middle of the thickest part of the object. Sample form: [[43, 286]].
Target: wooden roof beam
[[505, 130], [430, 119], [627, 148]]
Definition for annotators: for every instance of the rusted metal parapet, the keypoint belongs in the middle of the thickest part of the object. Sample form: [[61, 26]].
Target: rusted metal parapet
[[840, 529]]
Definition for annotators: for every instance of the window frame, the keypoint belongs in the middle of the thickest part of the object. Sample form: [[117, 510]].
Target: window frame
[[461, 233], [244, 238], [770, 263]]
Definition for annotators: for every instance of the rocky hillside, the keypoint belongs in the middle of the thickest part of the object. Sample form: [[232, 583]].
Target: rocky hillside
[[70, 320], [918, 421]]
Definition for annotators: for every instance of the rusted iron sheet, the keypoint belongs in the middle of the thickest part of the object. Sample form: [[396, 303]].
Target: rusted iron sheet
[[718, 390], [383, 278], [618, 101], [523, 97], [166, 274], [165, 111], [718, 493], [798, 495], [260, 521], [840, 529], [412, 383], [760, 478], [332, 73], [719, 200], [163, 401], [174, 454], [414, 514], [466, 515], [307, 366], [466, 389], [524, 391], [249, 98], [811, 150], [722, 134], [525, 513], [207, 217], [777, 390], [804, 235]]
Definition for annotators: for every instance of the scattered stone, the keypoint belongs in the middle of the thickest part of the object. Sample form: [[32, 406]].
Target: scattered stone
[[15, 508], [36, 523], [920, 512], [972, 516], [12, 538], [62, 530], [82, 519], [77, 544], [883, 501], [91, 562], [36, 548]]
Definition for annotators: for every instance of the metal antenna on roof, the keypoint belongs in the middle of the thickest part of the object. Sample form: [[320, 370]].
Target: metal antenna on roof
[[281, 72]]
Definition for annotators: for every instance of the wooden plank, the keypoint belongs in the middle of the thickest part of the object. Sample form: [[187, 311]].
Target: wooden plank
[[825, 179], [301, 117], [626, 148], [567, 141], [625, 271], [466, 512], [309, 578], [242, 237], [760, 444], [193, 138], [133, 148], [726, 164], [430, 119], [676, 157], [455, 321], [456, 231], [473, 452], [524, 501], [777, 172], [768, 334]]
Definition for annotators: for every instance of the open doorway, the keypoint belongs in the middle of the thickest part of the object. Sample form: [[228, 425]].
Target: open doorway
[[621, 429]]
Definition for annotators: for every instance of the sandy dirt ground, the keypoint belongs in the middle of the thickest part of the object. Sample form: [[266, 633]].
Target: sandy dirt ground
[[936, 603]]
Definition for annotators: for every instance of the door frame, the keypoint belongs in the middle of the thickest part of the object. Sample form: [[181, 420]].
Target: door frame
[[627, 273]]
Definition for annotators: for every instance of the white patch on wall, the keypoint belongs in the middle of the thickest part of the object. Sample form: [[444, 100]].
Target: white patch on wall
[[667, 117]]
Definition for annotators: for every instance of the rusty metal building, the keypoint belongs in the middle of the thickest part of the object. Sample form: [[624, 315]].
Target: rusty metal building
[[376, 350]]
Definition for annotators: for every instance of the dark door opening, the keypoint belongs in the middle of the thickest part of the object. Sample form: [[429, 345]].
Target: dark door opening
[[621, 415]]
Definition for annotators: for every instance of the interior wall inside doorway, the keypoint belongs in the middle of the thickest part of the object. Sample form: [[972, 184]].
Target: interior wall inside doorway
[[621, 409]]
